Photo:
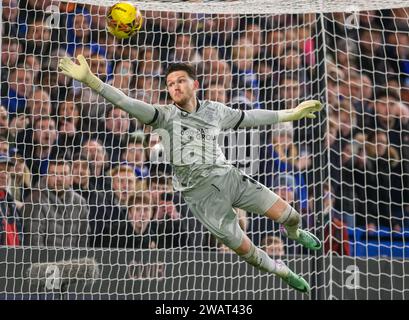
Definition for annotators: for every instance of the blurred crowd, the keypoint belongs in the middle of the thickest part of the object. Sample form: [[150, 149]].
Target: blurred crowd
[[78, 172]]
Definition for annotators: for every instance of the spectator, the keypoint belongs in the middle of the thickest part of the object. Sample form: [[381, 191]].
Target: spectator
[[273, 245], [292, 63], [39, 106], [55, 83], [100, 208], [192, 22], [219, 31], [398, 53], [32, 64], [185, 50], [4, 123], [109, 44], [10, 13], [335, 230], [218, 72], [245, 81], [98, 65], [346, 154], [117, 128], [171, 205], [127, 52], [20, 185], [38, 39], [4, 145], [346, 55], [98, 17], [383, 186], [79, 31], [39, 147], [150, 63], [88, 121], [281, 157], [124, 186], [97, 157], [362, 93], [69, 137], [142, 231], [124, 77], [20, 88], [275, 41], [163, 197], [372, 55], [388, 113], [253, 33], [289, 92], [54, 215], [216, 92], [163, 26], [136, 230], [307, 42], [150, 88], [134, 155], [335, 77], [10, 52], [125, 183], [210, 54], [10, 219], [30, 11]]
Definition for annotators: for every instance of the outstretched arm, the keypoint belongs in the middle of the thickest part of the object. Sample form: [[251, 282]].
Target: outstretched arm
[[139, 109], [305, 109]]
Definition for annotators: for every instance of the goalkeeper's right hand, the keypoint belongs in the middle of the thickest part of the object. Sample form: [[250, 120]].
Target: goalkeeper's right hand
[[80, 72]]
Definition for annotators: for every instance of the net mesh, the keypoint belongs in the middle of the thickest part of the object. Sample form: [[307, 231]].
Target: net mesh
[[259, 6], [88, 178]]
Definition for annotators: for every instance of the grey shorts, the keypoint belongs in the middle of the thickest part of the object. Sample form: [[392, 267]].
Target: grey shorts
[[212, 203]]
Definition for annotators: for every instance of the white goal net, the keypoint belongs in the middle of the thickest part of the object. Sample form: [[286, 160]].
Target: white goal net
[[87, 207]]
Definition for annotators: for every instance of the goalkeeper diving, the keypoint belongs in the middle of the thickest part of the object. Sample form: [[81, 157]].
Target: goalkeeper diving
[[209, 184]]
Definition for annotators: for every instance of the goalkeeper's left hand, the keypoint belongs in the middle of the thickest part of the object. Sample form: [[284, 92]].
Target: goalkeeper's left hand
[[305, 109]]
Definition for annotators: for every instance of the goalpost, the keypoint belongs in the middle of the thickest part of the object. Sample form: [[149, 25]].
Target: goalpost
[[77, 166]]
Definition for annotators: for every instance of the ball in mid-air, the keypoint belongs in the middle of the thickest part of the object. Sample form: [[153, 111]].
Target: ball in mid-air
[[123, 20]]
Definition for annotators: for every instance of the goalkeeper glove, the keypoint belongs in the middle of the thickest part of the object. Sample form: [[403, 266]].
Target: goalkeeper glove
[[80, 72], [305, 109]]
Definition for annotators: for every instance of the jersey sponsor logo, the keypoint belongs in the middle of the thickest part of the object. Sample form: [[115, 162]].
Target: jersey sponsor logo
[[189, 134]]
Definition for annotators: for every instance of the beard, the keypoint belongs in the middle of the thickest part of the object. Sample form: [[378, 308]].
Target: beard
[[181, 101]]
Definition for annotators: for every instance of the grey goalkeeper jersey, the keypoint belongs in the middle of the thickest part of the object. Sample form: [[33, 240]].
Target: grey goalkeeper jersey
[[190, 139]]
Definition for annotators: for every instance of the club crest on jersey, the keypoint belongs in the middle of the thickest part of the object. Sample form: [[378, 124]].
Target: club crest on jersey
[[209, 114]]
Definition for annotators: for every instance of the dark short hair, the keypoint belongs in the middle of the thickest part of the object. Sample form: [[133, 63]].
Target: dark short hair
[[139, 198], [387, 93], [79, 156], [59, 162], [181, 66]]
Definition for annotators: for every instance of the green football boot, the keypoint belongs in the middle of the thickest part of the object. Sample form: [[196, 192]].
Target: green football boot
[[293, 280], [306, 238]]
